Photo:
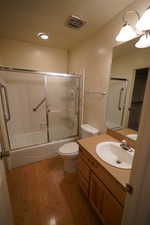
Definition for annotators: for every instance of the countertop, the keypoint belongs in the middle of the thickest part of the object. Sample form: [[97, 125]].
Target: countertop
[[89, 144], [126, 131]]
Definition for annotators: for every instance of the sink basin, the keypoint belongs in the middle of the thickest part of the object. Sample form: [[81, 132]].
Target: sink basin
[[132, 136], [113, 154]]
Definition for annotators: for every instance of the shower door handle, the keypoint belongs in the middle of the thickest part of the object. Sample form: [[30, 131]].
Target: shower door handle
[[6, 114], [120, 98], [76, 102]]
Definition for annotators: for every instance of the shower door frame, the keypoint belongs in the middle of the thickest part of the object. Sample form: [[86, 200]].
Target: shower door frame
[[125, 96], [45, 75]]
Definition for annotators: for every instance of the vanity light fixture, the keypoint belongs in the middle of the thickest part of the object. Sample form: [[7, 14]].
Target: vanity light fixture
[[42, 36], [142, 27], [144, 41], [143, 23], [127, 32]]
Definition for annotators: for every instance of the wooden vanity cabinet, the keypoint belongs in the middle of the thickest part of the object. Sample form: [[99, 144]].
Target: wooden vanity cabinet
[[84, 176], [99, 193]]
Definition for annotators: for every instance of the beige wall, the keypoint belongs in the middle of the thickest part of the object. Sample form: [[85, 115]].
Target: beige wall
[[25, 55], [94, 56], [23, 97], [125, 64]]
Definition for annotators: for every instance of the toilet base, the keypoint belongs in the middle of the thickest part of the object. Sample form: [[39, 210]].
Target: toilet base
[[70, 165]]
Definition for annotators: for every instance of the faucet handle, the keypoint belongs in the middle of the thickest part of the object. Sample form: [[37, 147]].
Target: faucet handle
[[124, 144]]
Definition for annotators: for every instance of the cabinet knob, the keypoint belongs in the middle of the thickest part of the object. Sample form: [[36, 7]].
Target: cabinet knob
[[129, 188]]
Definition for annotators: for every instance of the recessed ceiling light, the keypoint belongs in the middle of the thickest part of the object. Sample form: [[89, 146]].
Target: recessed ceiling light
[[42, 36]]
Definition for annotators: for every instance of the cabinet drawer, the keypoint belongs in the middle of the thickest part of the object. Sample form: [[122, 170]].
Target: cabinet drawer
[[84, 185], [88, 159], [83, 169], [112, 211]]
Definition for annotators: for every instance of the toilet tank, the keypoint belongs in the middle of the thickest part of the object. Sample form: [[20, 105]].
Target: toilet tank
[[87, 130]]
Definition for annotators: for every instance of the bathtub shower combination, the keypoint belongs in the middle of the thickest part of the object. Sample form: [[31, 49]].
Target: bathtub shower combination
[[40, 111]]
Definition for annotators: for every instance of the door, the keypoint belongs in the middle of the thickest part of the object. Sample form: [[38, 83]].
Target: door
[[116, 103], [135, 109], [63, 107], [5, 207]]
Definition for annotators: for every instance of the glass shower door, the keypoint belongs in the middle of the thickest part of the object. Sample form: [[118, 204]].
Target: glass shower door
[[26, 120], [62, 107], [116, 103]]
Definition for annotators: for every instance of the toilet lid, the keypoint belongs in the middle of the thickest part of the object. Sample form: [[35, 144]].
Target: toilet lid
[[69, 148], [88, 128]]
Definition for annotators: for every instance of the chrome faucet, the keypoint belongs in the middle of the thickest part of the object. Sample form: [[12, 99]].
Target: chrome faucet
[[125, 145]]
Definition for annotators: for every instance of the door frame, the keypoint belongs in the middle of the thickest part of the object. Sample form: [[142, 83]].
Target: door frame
[[131, 91]]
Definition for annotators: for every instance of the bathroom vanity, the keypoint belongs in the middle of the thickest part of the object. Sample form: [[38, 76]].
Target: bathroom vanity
[[103, 184]]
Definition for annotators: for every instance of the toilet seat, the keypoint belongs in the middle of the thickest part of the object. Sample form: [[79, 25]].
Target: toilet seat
[[71, 148]]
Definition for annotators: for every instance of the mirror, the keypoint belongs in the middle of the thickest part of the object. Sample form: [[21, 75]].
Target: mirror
[[129, 73]]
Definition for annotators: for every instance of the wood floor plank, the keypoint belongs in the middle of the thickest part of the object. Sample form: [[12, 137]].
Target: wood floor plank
[[41, 194]]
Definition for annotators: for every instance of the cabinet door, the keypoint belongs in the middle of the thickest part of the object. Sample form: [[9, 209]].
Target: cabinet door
[[96, 194], [83, 169], [111, 210], [84, 185]]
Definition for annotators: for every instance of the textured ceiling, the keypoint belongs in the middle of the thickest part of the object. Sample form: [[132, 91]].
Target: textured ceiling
[[23, 19]]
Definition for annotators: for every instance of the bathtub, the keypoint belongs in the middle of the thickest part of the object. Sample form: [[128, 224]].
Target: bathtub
[[35, 152], [28, 139]]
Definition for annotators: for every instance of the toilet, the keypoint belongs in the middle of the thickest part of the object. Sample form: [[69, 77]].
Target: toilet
[[88, 131], [69, 152]]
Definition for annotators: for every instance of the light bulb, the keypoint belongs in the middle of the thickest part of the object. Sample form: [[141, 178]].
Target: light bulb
[[126, 33], [143, 42], [42, 36], [144, 22]]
